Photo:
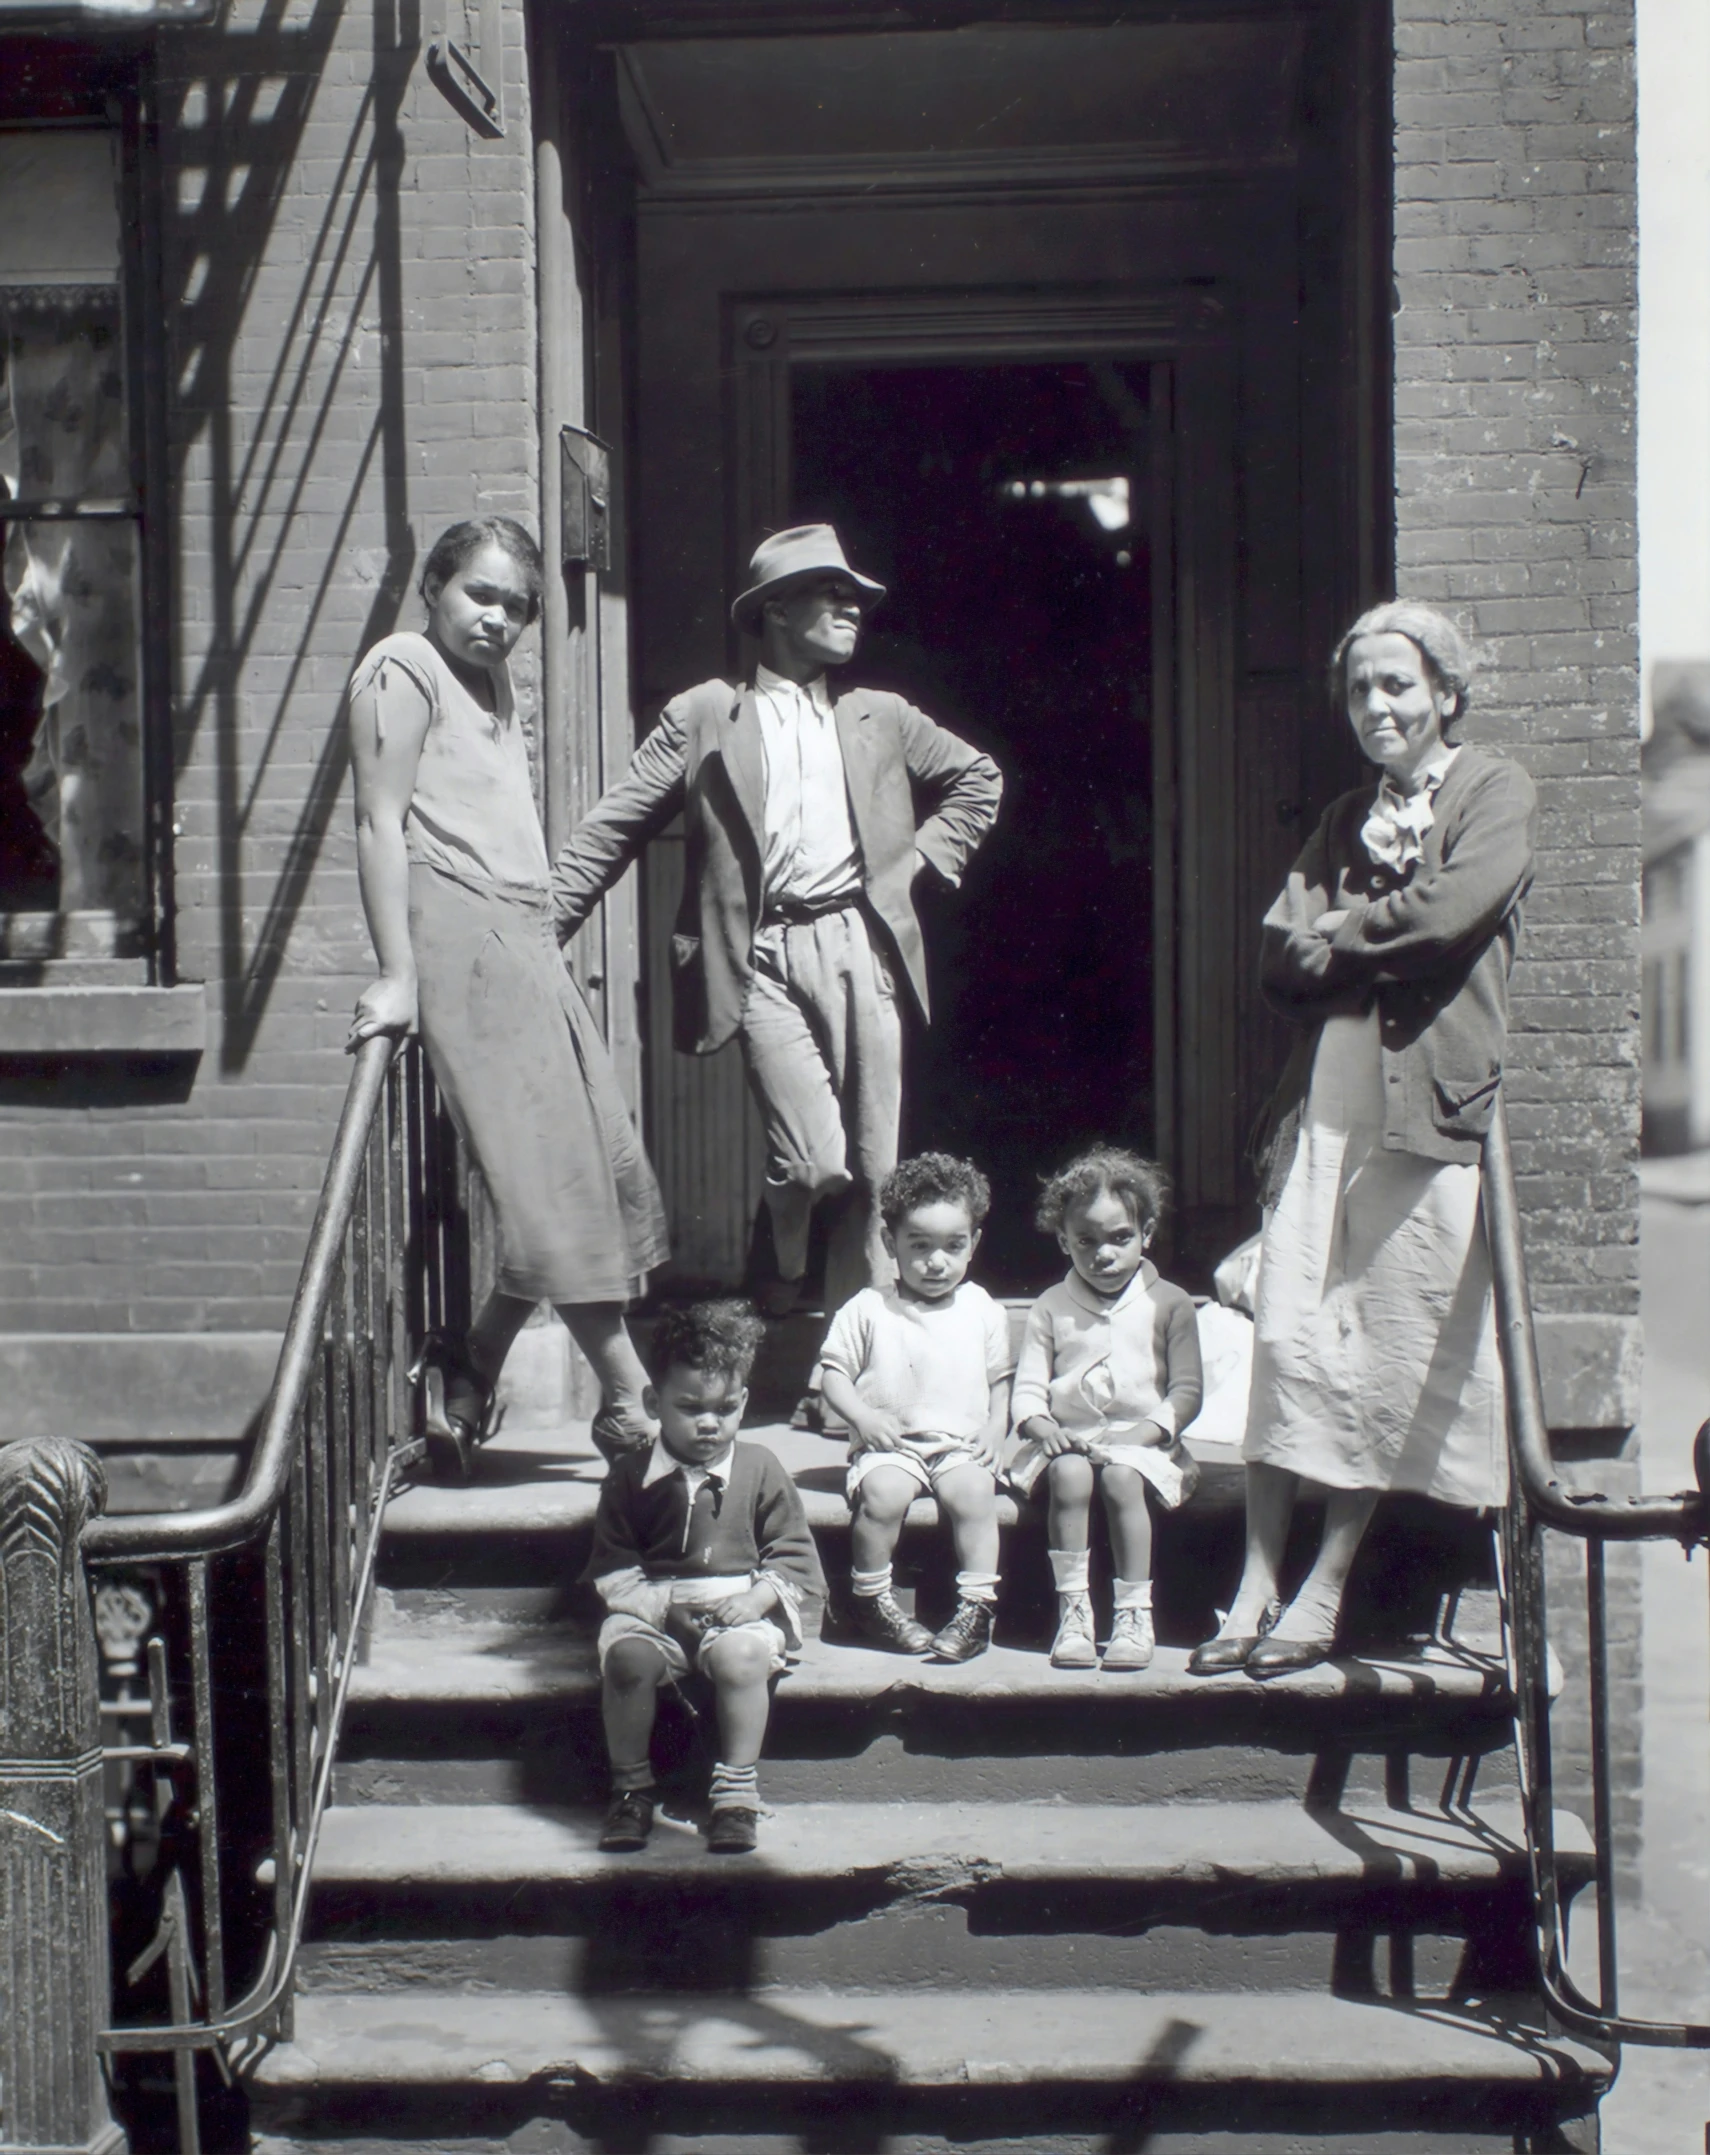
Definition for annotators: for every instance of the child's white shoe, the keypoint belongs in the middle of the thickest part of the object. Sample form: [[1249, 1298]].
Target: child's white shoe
[[1073, 1647], [1131, 1640]]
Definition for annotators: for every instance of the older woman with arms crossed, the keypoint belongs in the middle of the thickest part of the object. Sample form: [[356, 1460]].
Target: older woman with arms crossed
[[455, 883], [1375, 1361]]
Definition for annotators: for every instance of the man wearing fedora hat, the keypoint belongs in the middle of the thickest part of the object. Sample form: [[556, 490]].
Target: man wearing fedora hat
[[798, 921]]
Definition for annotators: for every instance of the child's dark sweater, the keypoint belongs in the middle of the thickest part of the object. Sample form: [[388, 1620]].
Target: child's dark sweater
[[640, 1527]]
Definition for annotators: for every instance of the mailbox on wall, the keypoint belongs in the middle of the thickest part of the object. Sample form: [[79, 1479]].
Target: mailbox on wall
[[585, 478]]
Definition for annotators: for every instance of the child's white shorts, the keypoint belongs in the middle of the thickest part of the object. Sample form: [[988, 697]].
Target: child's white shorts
[[675, 1655], [924, 1459]]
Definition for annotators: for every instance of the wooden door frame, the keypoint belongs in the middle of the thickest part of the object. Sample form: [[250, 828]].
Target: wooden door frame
[[1185, 336]]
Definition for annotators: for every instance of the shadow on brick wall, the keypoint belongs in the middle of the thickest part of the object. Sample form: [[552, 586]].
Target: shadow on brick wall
[[236, 121]]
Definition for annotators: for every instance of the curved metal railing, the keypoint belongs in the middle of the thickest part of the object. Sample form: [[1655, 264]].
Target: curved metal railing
[[241, 1624], [1539, 1503]]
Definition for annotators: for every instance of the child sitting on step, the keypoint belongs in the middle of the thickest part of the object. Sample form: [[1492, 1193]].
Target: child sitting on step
[[703, 1556], [920, 1372], [1107, 1379]]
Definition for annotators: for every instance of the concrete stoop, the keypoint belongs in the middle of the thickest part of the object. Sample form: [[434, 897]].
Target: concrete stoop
[[994, 1907]]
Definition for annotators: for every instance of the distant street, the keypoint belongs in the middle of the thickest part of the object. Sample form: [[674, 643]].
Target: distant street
[[1662, 2100]]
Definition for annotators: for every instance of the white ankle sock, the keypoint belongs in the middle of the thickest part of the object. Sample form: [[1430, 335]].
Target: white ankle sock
[[977, 1586], [869, 1585], [1069, 1569], [735, 1788], [1133, 1593]]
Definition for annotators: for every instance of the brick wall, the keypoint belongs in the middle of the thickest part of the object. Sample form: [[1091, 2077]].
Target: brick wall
[[349, 287], [1515, 270]]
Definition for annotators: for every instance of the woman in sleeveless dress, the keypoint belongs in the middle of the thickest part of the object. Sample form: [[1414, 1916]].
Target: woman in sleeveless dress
[[455, 883], [1375, 1363]]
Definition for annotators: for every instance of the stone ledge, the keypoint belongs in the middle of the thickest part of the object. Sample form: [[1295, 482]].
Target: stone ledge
[[103, 1021], [138, 1390]]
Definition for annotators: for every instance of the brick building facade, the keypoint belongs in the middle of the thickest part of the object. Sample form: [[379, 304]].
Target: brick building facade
[[364, 313]]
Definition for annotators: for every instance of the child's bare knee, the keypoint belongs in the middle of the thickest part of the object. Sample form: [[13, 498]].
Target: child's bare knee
[[634, 1665], [1072, 1477], [885, 1496], [968, 1495], [739, 1659], [1124, 1489]]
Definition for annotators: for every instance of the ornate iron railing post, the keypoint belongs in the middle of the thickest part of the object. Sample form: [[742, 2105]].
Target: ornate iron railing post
[[55, 1991]]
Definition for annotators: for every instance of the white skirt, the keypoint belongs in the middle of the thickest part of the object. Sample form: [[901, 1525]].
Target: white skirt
[[1375, 1363]]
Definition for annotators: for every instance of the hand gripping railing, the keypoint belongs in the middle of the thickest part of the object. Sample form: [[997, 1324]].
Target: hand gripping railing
[[232, 1632], [1539, 1501]]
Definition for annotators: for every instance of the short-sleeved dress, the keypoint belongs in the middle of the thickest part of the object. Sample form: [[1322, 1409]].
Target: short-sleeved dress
[[515, 1049]]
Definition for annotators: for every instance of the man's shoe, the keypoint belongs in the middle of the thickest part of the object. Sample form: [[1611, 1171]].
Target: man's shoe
[[628, 1822], [881, 1622], [969, 1632], [733, 1831], [1073, 1647], [1132, 1640], [809, 1413]]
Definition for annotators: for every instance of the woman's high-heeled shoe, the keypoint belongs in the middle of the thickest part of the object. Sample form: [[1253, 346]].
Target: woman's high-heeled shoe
[[1284, 1657], [452, 1438], [1216, 1657]]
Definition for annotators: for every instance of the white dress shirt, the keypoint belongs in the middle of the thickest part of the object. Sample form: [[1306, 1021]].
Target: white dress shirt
[[811, 855]]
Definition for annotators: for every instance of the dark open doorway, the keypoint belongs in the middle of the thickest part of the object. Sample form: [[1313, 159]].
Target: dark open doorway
[[1006, 508]]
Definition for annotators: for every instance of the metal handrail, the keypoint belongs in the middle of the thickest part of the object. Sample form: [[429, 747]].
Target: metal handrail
[[1540, 1501], [139, 1537], [1587, 1514], [385, 1262]]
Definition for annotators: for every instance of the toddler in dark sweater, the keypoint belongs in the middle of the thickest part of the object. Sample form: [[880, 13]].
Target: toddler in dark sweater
[[703, 1557]]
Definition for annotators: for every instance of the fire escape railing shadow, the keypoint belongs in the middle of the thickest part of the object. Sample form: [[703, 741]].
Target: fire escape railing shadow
[[1540, 1504]]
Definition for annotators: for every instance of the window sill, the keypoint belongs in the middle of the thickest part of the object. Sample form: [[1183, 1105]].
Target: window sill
[[103, 1021]]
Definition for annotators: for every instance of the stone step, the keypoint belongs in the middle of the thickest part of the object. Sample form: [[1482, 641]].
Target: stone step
[[515, 1541], [1065, 2070], [1210, 1896], [449, 1711]]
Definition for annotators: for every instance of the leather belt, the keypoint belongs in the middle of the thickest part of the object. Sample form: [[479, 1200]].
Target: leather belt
[[797, 912]]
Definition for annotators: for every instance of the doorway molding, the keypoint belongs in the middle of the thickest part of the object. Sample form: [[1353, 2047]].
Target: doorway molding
[[1186, 334]]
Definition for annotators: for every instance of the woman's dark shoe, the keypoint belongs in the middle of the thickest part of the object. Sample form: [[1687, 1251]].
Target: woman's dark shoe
[[628, 1822], [452, 1433], [1217, 1657], [617, 1431], [1282, 1657], [733, 1830], [881, 1622], [969, 1632]]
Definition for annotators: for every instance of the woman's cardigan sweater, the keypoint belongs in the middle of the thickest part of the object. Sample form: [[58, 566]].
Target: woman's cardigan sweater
[[1432, 946]]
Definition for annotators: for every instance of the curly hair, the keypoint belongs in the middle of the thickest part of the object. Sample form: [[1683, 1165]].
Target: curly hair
[[720, 1337], [934, 1178], [1437, 639], [1141, 1184], [460, 543]]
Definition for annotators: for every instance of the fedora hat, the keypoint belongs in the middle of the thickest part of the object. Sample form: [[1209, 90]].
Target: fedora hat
[[794, 557]]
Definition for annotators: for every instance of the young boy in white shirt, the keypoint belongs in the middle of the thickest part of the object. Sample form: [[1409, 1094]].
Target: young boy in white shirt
[[920, 1372]]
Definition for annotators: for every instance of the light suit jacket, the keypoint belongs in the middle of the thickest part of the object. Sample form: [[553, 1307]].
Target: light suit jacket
[[705, 758]]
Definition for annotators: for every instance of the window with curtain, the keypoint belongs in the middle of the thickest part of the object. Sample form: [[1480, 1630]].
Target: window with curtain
[[73, 864]]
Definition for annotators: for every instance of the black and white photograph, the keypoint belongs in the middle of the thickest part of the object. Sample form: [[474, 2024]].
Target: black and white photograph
[[703, 702]]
